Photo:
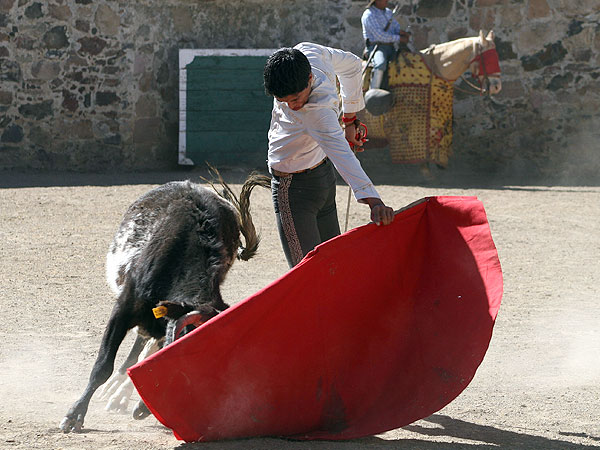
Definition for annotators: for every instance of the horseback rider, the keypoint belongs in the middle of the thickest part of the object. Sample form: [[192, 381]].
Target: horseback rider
[[381, 32]]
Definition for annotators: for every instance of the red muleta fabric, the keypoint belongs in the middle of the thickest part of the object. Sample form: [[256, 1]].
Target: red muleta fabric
[[373, 330]]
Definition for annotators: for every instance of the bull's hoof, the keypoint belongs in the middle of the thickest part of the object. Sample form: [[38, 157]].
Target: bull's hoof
[[141, 411], [118, 403], [71, 424]]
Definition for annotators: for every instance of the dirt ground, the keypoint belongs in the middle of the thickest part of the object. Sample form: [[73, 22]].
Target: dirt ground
[[537, 388]]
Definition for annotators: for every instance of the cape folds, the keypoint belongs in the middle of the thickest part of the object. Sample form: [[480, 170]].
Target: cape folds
[[373, 330]]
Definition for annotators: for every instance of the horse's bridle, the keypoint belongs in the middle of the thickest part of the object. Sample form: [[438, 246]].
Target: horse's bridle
[[488, 63]]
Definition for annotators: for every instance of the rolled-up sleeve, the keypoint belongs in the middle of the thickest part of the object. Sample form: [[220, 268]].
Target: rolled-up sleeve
[[348, 68]]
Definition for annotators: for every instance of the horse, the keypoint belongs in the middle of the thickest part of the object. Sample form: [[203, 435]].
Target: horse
[[166, 263], [418, 127]]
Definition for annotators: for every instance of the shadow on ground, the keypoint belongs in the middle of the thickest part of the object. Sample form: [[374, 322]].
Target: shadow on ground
[[483, 437], [381, 172]]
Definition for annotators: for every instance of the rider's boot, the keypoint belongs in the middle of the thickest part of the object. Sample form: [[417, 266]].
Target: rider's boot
[[376, 78]]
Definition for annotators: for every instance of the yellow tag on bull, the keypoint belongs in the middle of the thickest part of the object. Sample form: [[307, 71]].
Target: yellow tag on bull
[[159, 311]]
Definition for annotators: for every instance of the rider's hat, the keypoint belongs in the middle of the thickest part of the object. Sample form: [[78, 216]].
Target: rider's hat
[[378, 101]]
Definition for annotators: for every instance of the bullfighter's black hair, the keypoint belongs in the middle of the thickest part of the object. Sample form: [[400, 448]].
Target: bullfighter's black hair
[[287, 72]]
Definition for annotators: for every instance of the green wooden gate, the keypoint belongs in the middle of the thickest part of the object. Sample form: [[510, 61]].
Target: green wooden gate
[[224, 111]]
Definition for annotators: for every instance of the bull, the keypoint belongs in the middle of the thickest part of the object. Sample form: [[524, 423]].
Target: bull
[[168, 259]]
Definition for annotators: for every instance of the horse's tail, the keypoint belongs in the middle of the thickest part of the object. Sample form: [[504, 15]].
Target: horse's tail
[[242, 205]]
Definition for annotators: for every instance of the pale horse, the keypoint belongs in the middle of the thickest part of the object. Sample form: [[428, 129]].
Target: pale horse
[[418, 126]]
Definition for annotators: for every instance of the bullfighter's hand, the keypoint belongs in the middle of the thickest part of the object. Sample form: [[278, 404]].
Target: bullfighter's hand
[[350, 132], [380, 213]]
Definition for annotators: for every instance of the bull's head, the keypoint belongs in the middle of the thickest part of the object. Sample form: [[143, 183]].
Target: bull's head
[[182, 318]]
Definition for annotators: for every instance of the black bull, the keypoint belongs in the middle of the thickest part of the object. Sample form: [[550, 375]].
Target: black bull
[[174, 246]]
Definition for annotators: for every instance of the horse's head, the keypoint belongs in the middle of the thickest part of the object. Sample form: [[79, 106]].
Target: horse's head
[[485, 65], [477, 54]]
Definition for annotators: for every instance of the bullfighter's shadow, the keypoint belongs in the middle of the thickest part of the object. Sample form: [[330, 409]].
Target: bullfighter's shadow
[[491, 437], [483, 436]]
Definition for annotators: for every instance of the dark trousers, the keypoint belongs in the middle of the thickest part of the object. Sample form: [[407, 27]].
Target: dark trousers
[[384, 54], [305, 210]]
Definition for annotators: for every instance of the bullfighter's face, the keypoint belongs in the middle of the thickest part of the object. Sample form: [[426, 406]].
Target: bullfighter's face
[[298, 100]]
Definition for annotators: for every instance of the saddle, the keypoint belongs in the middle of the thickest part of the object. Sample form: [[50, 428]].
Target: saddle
[[418, 127]]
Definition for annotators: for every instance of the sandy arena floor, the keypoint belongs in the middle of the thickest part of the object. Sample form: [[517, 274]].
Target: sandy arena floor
[[538, 387]]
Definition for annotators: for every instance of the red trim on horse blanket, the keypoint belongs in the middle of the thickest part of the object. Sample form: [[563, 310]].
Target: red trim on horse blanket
[[373, 330]]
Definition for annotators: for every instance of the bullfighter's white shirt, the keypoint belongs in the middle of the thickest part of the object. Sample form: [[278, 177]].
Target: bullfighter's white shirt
[[300, 139]]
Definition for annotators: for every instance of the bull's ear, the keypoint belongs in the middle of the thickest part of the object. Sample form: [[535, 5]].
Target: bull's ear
[[490, 36], [481, 36]]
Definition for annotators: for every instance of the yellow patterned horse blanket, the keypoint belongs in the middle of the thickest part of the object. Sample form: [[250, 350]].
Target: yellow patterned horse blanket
[[418, 128]]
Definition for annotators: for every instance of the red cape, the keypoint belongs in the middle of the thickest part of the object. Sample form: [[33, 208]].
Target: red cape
[[373, 330]]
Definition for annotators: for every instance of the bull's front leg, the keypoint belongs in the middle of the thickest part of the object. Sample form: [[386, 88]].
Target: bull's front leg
[[118, 325], [118, 388]]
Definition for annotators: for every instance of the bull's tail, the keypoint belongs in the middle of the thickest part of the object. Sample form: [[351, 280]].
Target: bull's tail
[[242, 205], [251, 237]]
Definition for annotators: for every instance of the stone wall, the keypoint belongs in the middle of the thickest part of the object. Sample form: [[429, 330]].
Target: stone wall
[[92, 85]]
